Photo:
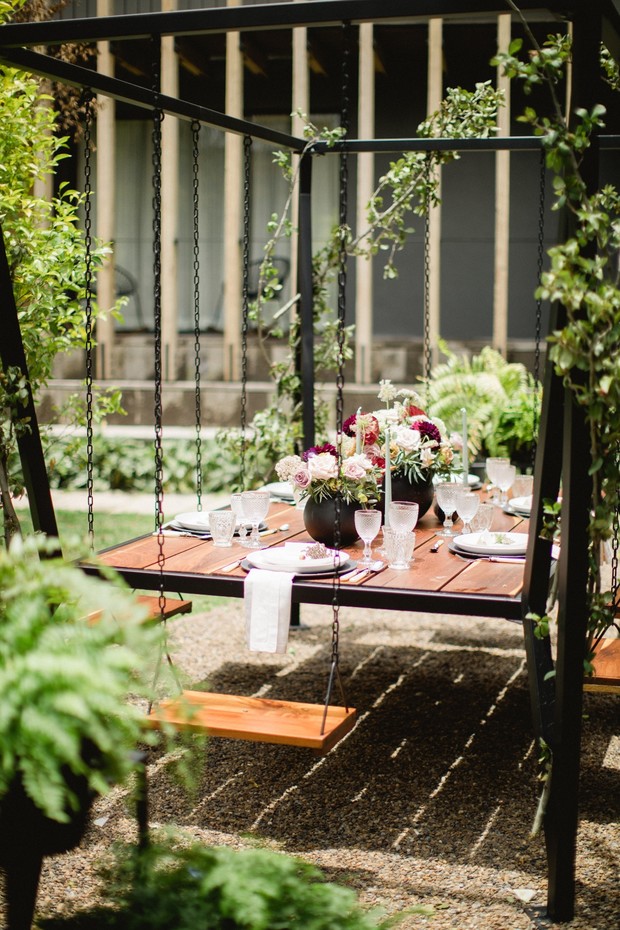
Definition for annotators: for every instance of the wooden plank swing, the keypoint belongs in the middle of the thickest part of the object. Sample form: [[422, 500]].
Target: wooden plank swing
[[315, 726]]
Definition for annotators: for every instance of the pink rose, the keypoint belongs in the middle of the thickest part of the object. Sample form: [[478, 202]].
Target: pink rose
[[353, 470], [322, 467], [301, 478]]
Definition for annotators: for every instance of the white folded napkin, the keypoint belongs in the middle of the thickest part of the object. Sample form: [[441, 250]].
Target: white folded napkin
[[267, 597]]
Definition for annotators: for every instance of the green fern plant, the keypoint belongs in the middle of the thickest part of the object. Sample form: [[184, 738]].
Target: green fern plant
[[501, 398], [64, 682]]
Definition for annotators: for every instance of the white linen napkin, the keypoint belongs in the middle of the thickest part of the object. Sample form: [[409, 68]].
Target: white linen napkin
[[267, 597]]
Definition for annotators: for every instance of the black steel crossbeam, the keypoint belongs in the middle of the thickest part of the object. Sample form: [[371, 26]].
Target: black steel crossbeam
[[76, 75], [268, 16], [492, 144]]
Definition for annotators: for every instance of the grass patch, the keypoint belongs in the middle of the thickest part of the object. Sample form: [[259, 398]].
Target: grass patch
[[110, 530]]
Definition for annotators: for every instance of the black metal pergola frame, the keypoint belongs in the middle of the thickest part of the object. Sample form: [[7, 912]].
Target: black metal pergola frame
[[557, 703]]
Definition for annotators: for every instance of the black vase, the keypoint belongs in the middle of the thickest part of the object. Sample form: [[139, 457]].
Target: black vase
[[320, 521], [421, 492]]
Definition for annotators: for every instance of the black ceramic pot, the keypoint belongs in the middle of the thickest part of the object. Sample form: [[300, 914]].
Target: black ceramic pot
[[421, 492], [320, 521]]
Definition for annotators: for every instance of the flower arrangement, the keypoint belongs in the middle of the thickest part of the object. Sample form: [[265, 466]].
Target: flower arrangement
[[419, 446], [319, 475]]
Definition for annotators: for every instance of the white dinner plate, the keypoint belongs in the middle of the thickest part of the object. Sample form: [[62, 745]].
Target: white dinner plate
[[280, 489], [286, 558], [472, 480], [521, 505], [492, 543], [197, 521]]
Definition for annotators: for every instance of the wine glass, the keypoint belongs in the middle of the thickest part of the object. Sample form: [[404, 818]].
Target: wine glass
[[466, 505], [367, 524], [505, 474], [445, 493], [491, 465], [403, 516], [255, 507]]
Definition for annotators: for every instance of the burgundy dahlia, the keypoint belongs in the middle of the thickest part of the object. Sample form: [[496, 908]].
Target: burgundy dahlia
[[427, 430], [317, 450]]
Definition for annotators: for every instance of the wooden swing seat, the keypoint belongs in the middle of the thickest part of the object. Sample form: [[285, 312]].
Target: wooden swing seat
[[606, 677], [172, 607], [256, 719]]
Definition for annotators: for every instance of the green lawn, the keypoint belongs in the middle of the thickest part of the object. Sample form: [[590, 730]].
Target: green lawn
[[110, 528]]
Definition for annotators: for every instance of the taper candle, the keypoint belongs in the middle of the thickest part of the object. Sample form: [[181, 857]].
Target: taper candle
[[465, 448], [387, 496], [358, 431]]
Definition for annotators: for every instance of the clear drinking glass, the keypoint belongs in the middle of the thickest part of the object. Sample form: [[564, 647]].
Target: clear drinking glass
[[237, 508], [466, 505], [222, 526], [505, 474], [255, 507], [481, 522], [403, 515], [398, 547], [445, 493], [491, 465], [367, 524]]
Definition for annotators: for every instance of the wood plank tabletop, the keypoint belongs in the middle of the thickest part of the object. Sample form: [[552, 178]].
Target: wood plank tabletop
[[438, 580]]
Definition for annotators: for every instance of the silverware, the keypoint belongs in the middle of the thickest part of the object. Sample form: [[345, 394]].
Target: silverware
[[514, 559], [230, 567], [279, 529], [359, 574], [437, 545]]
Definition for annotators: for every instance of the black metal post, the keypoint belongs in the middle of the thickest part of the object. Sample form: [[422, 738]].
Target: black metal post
[[29, 443], [547, 475], [561, 819], [305, 359]]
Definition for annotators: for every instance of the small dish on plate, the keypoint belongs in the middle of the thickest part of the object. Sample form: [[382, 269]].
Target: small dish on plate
[[492, 543]]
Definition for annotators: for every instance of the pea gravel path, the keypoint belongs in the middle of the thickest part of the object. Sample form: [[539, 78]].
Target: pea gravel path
[[429, 801]]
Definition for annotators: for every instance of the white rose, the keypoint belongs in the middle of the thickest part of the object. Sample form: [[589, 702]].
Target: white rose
[[353, 469], [406, 438], [360, 461], [323, 466]]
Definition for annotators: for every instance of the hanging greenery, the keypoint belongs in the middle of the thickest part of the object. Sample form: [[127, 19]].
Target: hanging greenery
[[584, 278]]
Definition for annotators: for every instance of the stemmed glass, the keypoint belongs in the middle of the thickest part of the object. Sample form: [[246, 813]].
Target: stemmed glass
[[505, 474], [445, 493], [367, 524], [466, 505], [403, 516], [491, 465], [255, 507]]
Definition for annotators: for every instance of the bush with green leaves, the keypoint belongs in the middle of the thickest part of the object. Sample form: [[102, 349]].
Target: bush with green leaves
[[65, 683], [502, 400], [46, 254], [173, 884]]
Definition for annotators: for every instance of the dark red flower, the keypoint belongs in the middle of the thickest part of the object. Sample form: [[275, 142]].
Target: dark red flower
[[427, 430], [349, 423], [377, 460], [317, 450]]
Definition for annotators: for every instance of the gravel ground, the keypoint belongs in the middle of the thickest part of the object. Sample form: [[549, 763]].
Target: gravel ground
[[429, 801]]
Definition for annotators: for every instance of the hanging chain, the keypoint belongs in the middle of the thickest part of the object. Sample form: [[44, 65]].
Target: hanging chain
[[428, 358], [158, 117], [615, 545], [88, 308], [539, 272], [342, 286], [197, 395], [247, 178]]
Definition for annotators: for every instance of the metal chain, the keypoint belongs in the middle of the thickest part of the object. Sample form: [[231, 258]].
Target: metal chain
[[88, 309], [615, 544], [428, 358], [197, 394], [539, 271], [247, 178], [342, 286], [158, 117]]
